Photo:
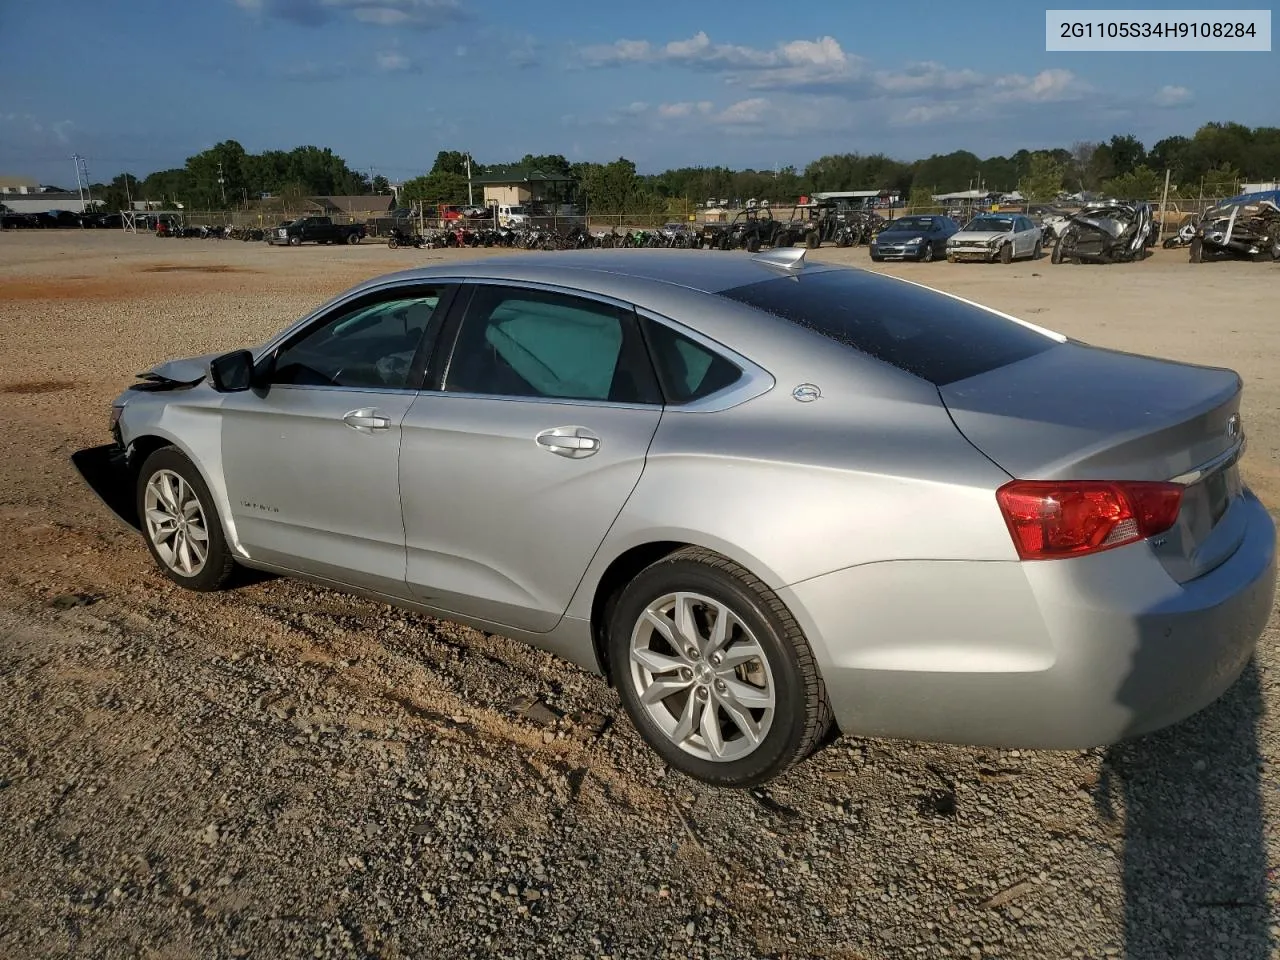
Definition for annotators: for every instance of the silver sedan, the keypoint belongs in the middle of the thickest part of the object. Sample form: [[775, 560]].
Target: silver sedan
[[770, 501]]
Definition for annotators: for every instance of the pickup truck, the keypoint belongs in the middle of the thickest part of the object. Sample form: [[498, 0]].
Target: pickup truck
[[316, 230]]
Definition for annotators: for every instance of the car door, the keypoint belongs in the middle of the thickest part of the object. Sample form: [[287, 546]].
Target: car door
[[311, 462], [516, 466]]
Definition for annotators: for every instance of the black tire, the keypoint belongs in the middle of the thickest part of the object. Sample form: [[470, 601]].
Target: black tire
[[812, 241], [1058, 251], [1006, 253], [295, 241], [218, 565], [802, 712], [753, 243], [875, 257], [353, 238], [927, 255], [1038, 251], [1197, 250], [392, 244]]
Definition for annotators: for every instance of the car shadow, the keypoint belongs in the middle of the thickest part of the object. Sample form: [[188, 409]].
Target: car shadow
[[103, 471], [1195, 859]]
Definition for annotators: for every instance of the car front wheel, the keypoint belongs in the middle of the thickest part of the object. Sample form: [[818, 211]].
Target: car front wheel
[[714, 672], [180, 522]]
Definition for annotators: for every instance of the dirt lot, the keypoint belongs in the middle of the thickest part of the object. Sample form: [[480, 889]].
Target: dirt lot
[[283, 771]]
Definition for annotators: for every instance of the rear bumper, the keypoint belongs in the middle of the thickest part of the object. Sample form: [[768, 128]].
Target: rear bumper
[[1060, 654]]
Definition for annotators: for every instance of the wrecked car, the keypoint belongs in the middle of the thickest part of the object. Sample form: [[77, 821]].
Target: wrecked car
[[1106, 231], [1246, 227]]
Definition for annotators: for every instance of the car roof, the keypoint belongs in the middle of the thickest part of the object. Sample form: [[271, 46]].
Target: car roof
[[604, 271]]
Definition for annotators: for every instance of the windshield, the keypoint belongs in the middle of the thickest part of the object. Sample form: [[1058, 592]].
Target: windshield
[[913, 223], [515, 209], [991, 224]]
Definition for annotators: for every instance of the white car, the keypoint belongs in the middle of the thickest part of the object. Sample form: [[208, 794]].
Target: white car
[[996, 236]]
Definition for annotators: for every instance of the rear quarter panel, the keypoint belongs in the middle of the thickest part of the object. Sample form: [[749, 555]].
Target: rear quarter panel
[[794, 490]]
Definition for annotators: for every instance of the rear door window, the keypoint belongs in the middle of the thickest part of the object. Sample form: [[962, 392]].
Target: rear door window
[[933, 336], [517, 342], [687, 370]]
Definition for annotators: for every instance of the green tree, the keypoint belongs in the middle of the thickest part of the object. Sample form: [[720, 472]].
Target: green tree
[[435, 188], [1043, 179], [380, 184], [1127, 153], [1221, 180], [1141, 183]]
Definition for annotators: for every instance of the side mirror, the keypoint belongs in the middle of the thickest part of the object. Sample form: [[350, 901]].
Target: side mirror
[[232, 372]]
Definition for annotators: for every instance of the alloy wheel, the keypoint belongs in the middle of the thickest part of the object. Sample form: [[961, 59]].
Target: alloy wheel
[[702, 676], [176, 523]]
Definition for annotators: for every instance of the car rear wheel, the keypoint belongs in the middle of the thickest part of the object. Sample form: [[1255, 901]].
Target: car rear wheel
[[353, 238], [181, 523], [714, 672], [1006, 253]]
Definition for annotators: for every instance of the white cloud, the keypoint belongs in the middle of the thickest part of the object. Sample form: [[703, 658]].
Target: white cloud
[[743, 112], [929, 114], [685, 109], [1171, 96], [927, 77], [794, 63], [1047, 86], [420, 14], [392, 61]]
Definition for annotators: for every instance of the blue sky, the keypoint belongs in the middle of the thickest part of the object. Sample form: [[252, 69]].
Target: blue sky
[[141, 84]]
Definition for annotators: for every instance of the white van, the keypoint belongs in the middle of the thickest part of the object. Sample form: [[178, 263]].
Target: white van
[[512, 216]]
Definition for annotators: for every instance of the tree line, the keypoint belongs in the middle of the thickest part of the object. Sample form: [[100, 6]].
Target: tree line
[[1212, 162]]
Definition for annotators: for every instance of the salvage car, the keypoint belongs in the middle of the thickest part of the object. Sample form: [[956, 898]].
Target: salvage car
[[921, 238], [769, 500], [1245, 228], [1107, 231], [995, 236]]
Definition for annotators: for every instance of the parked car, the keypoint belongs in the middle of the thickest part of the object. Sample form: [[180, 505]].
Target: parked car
[[316, 230], [996, 236], [1246, 227], [914, 238], [762, 497]]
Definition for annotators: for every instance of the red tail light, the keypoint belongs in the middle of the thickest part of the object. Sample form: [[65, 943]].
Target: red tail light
[[1070, 518]]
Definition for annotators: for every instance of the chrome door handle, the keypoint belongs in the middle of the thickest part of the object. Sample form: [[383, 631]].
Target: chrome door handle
[[367, 419], [572, 442]]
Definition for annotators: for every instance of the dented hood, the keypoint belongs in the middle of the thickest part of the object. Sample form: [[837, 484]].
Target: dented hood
[[186, 372]]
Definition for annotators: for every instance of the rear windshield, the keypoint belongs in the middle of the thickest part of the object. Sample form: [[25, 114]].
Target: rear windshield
[[915, 329]]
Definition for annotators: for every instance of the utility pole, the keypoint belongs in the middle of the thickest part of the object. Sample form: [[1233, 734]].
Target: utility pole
[[371, 187], [222, 185], [75, 158], [471, 202]]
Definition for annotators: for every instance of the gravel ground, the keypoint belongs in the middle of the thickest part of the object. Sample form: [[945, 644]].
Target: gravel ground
[[284, 771]]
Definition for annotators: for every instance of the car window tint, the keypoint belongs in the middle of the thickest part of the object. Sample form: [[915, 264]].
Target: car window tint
[[371, 344], [925, 333], [688, 371], [530, 343]]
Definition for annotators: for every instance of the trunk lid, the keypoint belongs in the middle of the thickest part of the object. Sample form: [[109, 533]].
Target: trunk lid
[[1084, 413]]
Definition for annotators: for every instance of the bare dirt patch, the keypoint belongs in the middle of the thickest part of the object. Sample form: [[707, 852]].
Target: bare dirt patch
[[37, 386], [196, 268]]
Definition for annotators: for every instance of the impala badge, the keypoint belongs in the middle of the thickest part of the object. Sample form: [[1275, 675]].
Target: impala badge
[[806, 392], [1234, 428]]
